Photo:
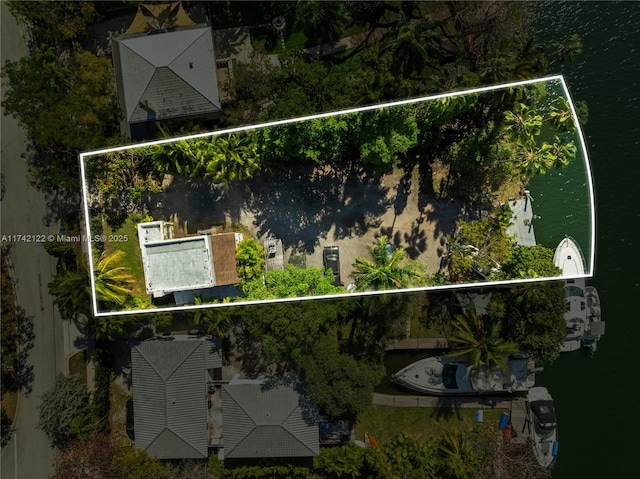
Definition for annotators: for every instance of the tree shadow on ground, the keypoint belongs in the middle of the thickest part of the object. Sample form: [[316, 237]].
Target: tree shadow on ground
[[248, 353], [446, 409], [195, 201], [302, 203]]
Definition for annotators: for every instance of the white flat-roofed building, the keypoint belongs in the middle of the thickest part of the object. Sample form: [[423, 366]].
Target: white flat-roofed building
[[185, 264], [154, 231]]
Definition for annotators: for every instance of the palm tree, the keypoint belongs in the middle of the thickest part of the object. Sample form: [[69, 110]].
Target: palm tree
[[413, 47], [558, 153], [567, 49], [522, 124], [479, 341], [494, 70], [106, 329], [460, 458], [72, 292], [232, 158], [113, 283], [384, 270], [533, 160], [529, 60], [321, 21], [72, 289], [560, 116], [216, 322]]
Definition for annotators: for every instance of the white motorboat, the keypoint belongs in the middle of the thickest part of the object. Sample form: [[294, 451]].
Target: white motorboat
[[568, 257], [443, 375], [543, 429], [582, 302]]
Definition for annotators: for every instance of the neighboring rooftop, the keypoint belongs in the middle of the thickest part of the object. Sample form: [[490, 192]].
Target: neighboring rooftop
[[166, 74], [170, 395], [271, 419]]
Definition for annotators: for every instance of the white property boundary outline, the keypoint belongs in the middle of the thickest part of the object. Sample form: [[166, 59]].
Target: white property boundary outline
[[560, 78]]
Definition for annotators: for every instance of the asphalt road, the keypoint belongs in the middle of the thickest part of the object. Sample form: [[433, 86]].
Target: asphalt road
[[28, 455]]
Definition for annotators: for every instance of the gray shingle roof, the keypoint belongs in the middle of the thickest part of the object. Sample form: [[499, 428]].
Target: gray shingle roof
[[268, 420], [170, 396], [167, 75]]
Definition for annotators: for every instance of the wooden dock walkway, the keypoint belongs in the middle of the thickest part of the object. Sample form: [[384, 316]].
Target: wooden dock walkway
[[522, 217], [416, 344]]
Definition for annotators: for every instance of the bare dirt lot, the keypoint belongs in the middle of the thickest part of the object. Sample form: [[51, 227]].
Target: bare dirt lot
[[312, 206]]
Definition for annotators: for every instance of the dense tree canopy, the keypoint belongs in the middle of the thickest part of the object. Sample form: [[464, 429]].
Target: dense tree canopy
[[65, 105], [338, 383], [250, 260], [290, 283], [532, 316], [530, 262], [478, 247], [104, 456], [287, 331], [55, 22], [66, 401]]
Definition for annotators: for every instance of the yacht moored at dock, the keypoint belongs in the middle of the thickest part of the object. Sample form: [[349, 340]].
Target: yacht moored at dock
[[582, 313], [442, 375]]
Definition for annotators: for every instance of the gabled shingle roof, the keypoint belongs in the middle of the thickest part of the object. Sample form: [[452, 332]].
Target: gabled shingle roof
[[170, 396], [268, 420], [167, 75]]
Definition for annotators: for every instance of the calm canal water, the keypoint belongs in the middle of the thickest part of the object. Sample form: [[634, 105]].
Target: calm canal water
[[598, 399]]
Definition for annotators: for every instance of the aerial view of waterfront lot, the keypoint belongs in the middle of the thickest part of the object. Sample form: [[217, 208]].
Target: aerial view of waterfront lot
[[309, 239], [443, 195]]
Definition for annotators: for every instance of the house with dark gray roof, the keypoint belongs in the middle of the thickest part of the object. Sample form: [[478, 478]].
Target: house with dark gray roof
[[166, 74], [271, 419], [171, 396]]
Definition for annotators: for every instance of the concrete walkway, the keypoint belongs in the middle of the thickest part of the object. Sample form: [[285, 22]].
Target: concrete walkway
[[406, 400]]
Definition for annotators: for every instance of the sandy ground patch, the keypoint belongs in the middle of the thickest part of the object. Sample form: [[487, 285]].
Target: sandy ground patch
[[312, 206]]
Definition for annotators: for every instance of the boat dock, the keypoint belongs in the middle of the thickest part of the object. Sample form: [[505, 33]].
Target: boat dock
[[522, 217]]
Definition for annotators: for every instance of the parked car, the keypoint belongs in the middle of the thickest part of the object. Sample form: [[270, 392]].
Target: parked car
[[331, 259]]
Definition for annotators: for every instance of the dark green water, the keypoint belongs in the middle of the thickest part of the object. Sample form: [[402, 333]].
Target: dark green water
[[598, 399]]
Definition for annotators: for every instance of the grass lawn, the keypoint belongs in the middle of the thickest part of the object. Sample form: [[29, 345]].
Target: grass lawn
[[385, 422], [270, 44], [78, 365], [132, 257]]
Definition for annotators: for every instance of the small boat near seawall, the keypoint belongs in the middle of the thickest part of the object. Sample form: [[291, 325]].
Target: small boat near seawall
[[442, 375], [543, 427]]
